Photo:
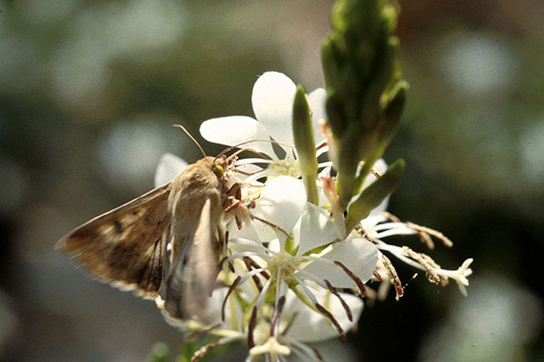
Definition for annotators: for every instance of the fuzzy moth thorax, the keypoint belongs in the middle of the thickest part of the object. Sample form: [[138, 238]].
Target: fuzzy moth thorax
[[191, 188]]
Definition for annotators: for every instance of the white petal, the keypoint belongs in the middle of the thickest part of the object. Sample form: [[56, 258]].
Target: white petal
[[317, 105], [252, 169], [311, 326], [314, 228], [168, 168], [371, 221], [274, 246], [282, 201], [323, 149], [248, 167], [234, 130], [358, 255], [381, 207], [272, 99], [380, 166], [241, 245], [254, 230]]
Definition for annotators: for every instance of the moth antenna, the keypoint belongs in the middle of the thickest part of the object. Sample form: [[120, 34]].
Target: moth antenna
[[192, 138], [249, 149]]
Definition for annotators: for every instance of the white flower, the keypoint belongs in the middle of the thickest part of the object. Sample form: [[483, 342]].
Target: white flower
[[272, 99], [301, 258]]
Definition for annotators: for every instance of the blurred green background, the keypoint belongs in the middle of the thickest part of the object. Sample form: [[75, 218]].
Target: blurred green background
[[89, 91]]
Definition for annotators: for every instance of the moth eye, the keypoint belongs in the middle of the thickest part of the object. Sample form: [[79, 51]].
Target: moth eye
[[218, 171]]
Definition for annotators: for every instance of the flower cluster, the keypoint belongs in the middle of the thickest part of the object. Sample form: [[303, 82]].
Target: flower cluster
[[295, 270]]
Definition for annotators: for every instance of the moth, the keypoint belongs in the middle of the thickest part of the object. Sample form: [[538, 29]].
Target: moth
[[177, 227]]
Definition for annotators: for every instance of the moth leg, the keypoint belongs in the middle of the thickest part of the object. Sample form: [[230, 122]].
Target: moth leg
[[241, 208], [234, 195], [235, 191], [234, 202]]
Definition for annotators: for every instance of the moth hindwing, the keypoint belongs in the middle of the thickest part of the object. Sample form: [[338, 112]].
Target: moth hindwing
[[127, 246]]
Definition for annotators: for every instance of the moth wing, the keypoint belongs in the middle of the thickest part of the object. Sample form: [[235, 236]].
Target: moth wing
[[126, 246], [193, 273]]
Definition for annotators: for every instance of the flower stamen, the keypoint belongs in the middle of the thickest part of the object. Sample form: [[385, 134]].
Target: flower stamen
[[317, 355], [333, 320], [437, 234], [342, 301], [251, 328], [425, 261], [250, 267], [354, 277], [395, 280], [229, 292], [276, 316]]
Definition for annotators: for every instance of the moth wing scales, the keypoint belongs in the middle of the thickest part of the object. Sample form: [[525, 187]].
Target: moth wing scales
[[126, 246]]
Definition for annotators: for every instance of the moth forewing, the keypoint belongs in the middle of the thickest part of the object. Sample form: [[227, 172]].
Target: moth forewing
[[126, 246], [192, 277]]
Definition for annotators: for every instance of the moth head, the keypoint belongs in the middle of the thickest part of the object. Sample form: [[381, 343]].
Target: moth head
[[220, 166]]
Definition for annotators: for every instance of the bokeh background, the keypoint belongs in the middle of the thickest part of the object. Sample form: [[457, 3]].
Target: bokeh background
[[89, 91]]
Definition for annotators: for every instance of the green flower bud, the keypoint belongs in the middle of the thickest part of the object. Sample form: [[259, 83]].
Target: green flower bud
[[305, 143], [374, 194]]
